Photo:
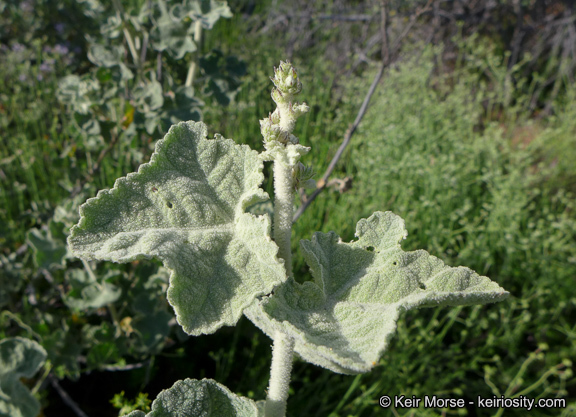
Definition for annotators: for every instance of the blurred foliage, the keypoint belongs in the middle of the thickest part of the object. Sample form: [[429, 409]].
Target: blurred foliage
[[19, 358], [126, 406], [480, 192], [90, 316], [471, 142]]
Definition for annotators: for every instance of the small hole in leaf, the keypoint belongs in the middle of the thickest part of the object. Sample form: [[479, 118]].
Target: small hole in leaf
[[422, 285], [169, 204], [370, 248], [395, 263]]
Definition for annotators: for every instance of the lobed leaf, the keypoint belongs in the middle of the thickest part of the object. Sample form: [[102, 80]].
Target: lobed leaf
[[344, 319], [208, 11], [87, 292], [77, 92], [187, 208], [48, 246], [172, 36], [205, 398], [19, 358]]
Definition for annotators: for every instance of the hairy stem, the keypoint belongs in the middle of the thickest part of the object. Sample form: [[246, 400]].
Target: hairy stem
[[287, 121], [283, 207], [280, 370]]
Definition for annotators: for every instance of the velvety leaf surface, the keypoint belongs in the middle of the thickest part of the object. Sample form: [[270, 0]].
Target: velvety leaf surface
[[187, 208], [19, 358], [344, 319], [205, 398]]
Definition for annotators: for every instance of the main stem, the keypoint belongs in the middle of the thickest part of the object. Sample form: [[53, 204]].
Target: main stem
[[279, 375], [283, 207], [283, 348]]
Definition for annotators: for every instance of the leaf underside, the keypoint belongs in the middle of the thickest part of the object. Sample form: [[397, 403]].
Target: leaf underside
[[19, 358], [344, 318], [186, 207], [205, 398]]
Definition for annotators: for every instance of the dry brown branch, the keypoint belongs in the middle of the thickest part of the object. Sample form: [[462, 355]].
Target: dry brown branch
[[339, 17], [287, 17], [387, 53]]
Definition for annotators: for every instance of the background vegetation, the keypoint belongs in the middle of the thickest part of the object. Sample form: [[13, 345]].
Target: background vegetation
[[470, 137]]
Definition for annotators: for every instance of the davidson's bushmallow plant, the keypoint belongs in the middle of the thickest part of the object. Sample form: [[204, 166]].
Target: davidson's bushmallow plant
[[189, 208]]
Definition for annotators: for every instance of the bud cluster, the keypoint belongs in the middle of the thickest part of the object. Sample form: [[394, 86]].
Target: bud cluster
[[270, 130], [279, 125], [286, 79]]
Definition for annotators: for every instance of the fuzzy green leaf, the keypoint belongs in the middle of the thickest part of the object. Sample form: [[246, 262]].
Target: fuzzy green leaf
[[103, 56], [172, 36], [87, 292], [49, 246], [208, 11], [344, 319], [78, 92], [187, 208], [18, 358], [205, 398]]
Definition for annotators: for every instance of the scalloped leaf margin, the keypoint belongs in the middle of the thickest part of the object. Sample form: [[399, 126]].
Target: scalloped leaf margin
[[186, 207], [205, 398], [344, 318]]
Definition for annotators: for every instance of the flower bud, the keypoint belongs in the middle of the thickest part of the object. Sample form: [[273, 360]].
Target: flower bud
[[278, 97], [269, 130], [286, 79]]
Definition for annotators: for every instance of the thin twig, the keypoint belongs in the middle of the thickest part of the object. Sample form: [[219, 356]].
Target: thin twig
[[321, 184], [339, 17], [378, 38], [103, 153], [159, 66], [285, 17], [129, 367], [96, 167], [409, 26], [144, 48], [387, 54], [66, 397]]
